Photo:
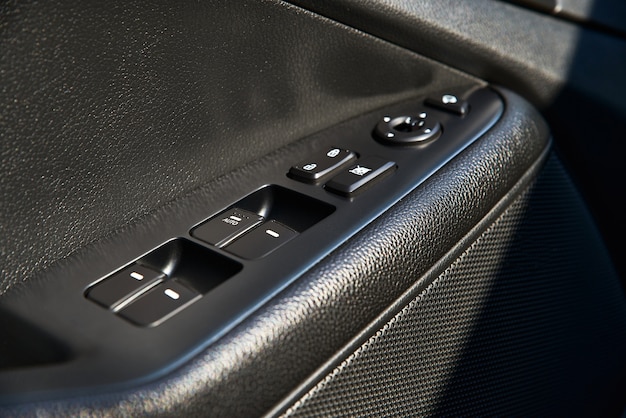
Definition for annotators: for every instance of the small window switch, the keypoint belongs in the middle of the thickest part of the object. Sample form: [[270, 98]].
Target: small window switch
[[120, 286], [357, 177], [159, 304], [223, 229], [321, 164], [262, 240]]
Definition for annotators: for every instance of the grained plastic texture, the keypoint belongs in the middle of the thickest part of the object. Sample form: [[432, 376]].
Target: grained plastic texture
[[528, 321]]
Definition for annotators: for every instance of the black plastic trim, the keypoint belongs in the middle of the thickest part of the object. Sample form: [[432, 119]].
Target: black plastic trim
[[111, 353]]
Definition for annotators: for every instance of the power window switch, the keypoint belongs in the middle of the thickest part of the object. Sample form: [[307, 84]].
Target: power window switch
[[223, 229], [321, 164], [120, 286], [262, 240], [159, 304]]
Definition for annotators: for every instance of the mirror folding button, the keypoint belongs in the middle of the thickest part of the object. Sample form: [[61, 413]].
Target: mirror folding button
[[358, 176], [448, 103], [321, 164]]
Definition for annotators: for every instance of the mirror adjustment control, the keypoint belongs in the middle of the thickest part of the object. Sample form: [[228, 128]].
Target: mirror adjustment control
[[228, 226], [126, 283], [262, 240], [321, 164], [159, 304], [407, 130], [357, 177], [448, 103]]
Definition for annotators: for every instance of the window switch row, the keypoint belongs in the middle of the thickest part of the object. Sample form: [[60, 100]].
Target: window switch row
[[244, 233], [142, 295]]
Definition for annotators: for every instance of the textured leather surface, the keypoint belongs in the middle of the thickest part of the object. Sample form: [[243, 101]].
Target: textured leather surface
[[110, 110], [269, 353], [574, 74], [528, 321]]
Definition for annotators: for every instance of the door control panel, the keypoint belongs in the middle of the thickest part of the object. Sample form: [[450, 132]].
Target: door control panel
[[241, 242]]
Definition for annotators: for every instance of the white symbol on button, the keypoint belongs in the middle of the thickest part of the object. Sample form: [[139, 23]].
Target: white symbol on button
[[309, 167], [232, 220], [333, 152], [427, 131], [449, 99], [172, 294], [272, 233], [423, 115], [136, 276], [360, 171], [387, 119]]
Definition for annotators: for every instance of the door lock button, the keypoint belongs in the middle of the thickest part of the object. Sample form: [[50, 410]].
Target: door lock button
[[321, 164]]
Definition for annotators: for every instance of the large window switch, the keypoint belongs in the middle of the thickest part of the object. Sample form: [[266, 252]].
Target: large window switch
[[226, 227], [357, 177], [262, 240], [120, 286], [159, 304], [321, 164]]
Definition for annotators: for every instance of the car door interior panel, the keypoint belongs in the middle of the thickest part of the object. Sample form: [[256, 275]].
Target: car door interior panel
[[308, 209]]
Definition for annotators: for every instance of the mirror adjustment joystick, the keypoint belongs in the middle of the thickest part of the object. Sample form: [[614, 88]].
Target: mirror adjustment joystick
[[407, 130]]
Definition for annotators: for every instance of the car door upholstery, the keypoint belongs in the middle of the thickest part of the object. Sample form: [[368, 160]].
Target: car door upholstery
[[487, 289]]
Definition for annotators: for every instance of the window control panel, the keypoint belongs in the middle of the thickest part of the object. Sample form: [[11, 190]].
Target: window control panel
[[412, 138]]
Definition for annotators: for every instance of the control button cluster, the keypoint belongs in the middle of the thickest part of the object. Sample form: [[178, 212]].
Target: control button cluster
[[348, 175]]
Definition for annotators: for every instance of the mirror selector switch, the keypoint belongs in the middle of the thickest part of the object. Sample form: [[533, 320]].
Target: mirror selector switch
[[357, 177], [159, 304], [262, 240], [407, 130], [229, 225], [321, 164], [120, 286]]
